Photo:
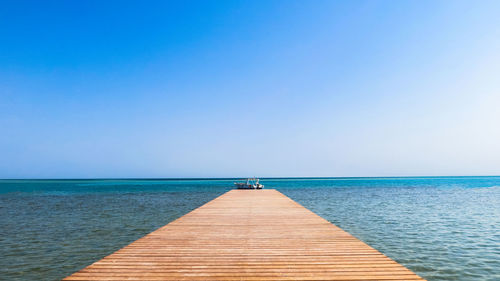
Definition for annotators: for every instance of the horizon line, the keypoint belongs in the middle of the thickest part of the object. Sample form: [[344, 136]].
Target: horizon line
[[236, 178]]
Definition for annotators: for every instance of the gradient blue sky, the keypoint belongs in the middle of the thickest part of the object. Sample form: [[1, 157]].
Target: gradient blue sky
[[244, 88]]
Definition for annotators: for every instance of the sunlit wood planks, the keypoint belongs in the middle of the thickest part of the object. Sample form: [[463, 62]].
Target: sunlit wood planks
[[247, 235]]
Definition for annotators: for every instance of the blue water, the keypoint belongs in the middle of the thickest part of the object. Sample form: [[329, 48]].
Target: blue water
[[443, 228]]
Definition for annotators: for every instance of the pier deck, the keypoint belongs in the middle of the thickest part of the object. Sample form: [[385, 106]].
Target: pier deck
[[247, 235]]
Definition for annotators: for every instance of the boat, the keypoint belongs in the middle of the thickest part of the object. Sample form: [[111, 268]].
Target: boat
[[250, 183]]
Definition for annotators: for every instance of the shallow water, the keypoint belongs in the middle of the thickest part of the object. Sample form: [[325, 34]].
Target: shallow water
[[441, 228]]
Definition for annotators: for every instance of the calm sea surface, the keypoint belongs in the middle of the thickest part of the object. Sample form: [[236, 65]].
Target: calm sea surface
[[443, 228]]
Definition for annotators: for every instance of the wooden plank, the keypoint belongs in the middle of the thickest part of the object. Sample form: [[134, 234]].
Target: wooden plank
[[247, 235]]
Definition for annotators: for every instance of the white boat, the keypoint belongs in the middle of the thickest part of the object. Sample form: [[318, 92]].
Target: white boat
[[251, 183]]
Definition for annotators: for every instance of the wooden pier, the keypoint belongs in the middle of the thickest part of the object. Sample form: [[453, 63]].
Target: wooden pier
[[247, 235]]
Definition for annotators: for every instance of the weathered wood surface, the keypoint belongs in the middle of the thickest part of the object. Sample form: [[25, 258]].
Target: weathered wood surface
[[247, 235]]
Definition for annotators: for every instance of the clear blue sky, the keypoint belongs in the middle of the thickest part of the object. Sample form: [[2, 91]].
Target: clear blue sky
[[244, 88]]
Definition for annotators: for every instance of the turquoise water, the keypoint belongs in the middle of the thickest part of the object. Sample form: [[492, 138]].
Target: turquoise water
[[445, 228]]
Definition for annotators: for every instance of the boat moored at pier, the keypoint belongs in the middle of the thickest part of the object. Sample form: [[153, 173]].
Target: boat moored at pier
[[251, 183]]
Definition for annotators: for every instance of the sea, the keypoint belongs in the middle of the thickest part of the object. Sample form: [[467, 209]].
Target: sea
[[442, 228]]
